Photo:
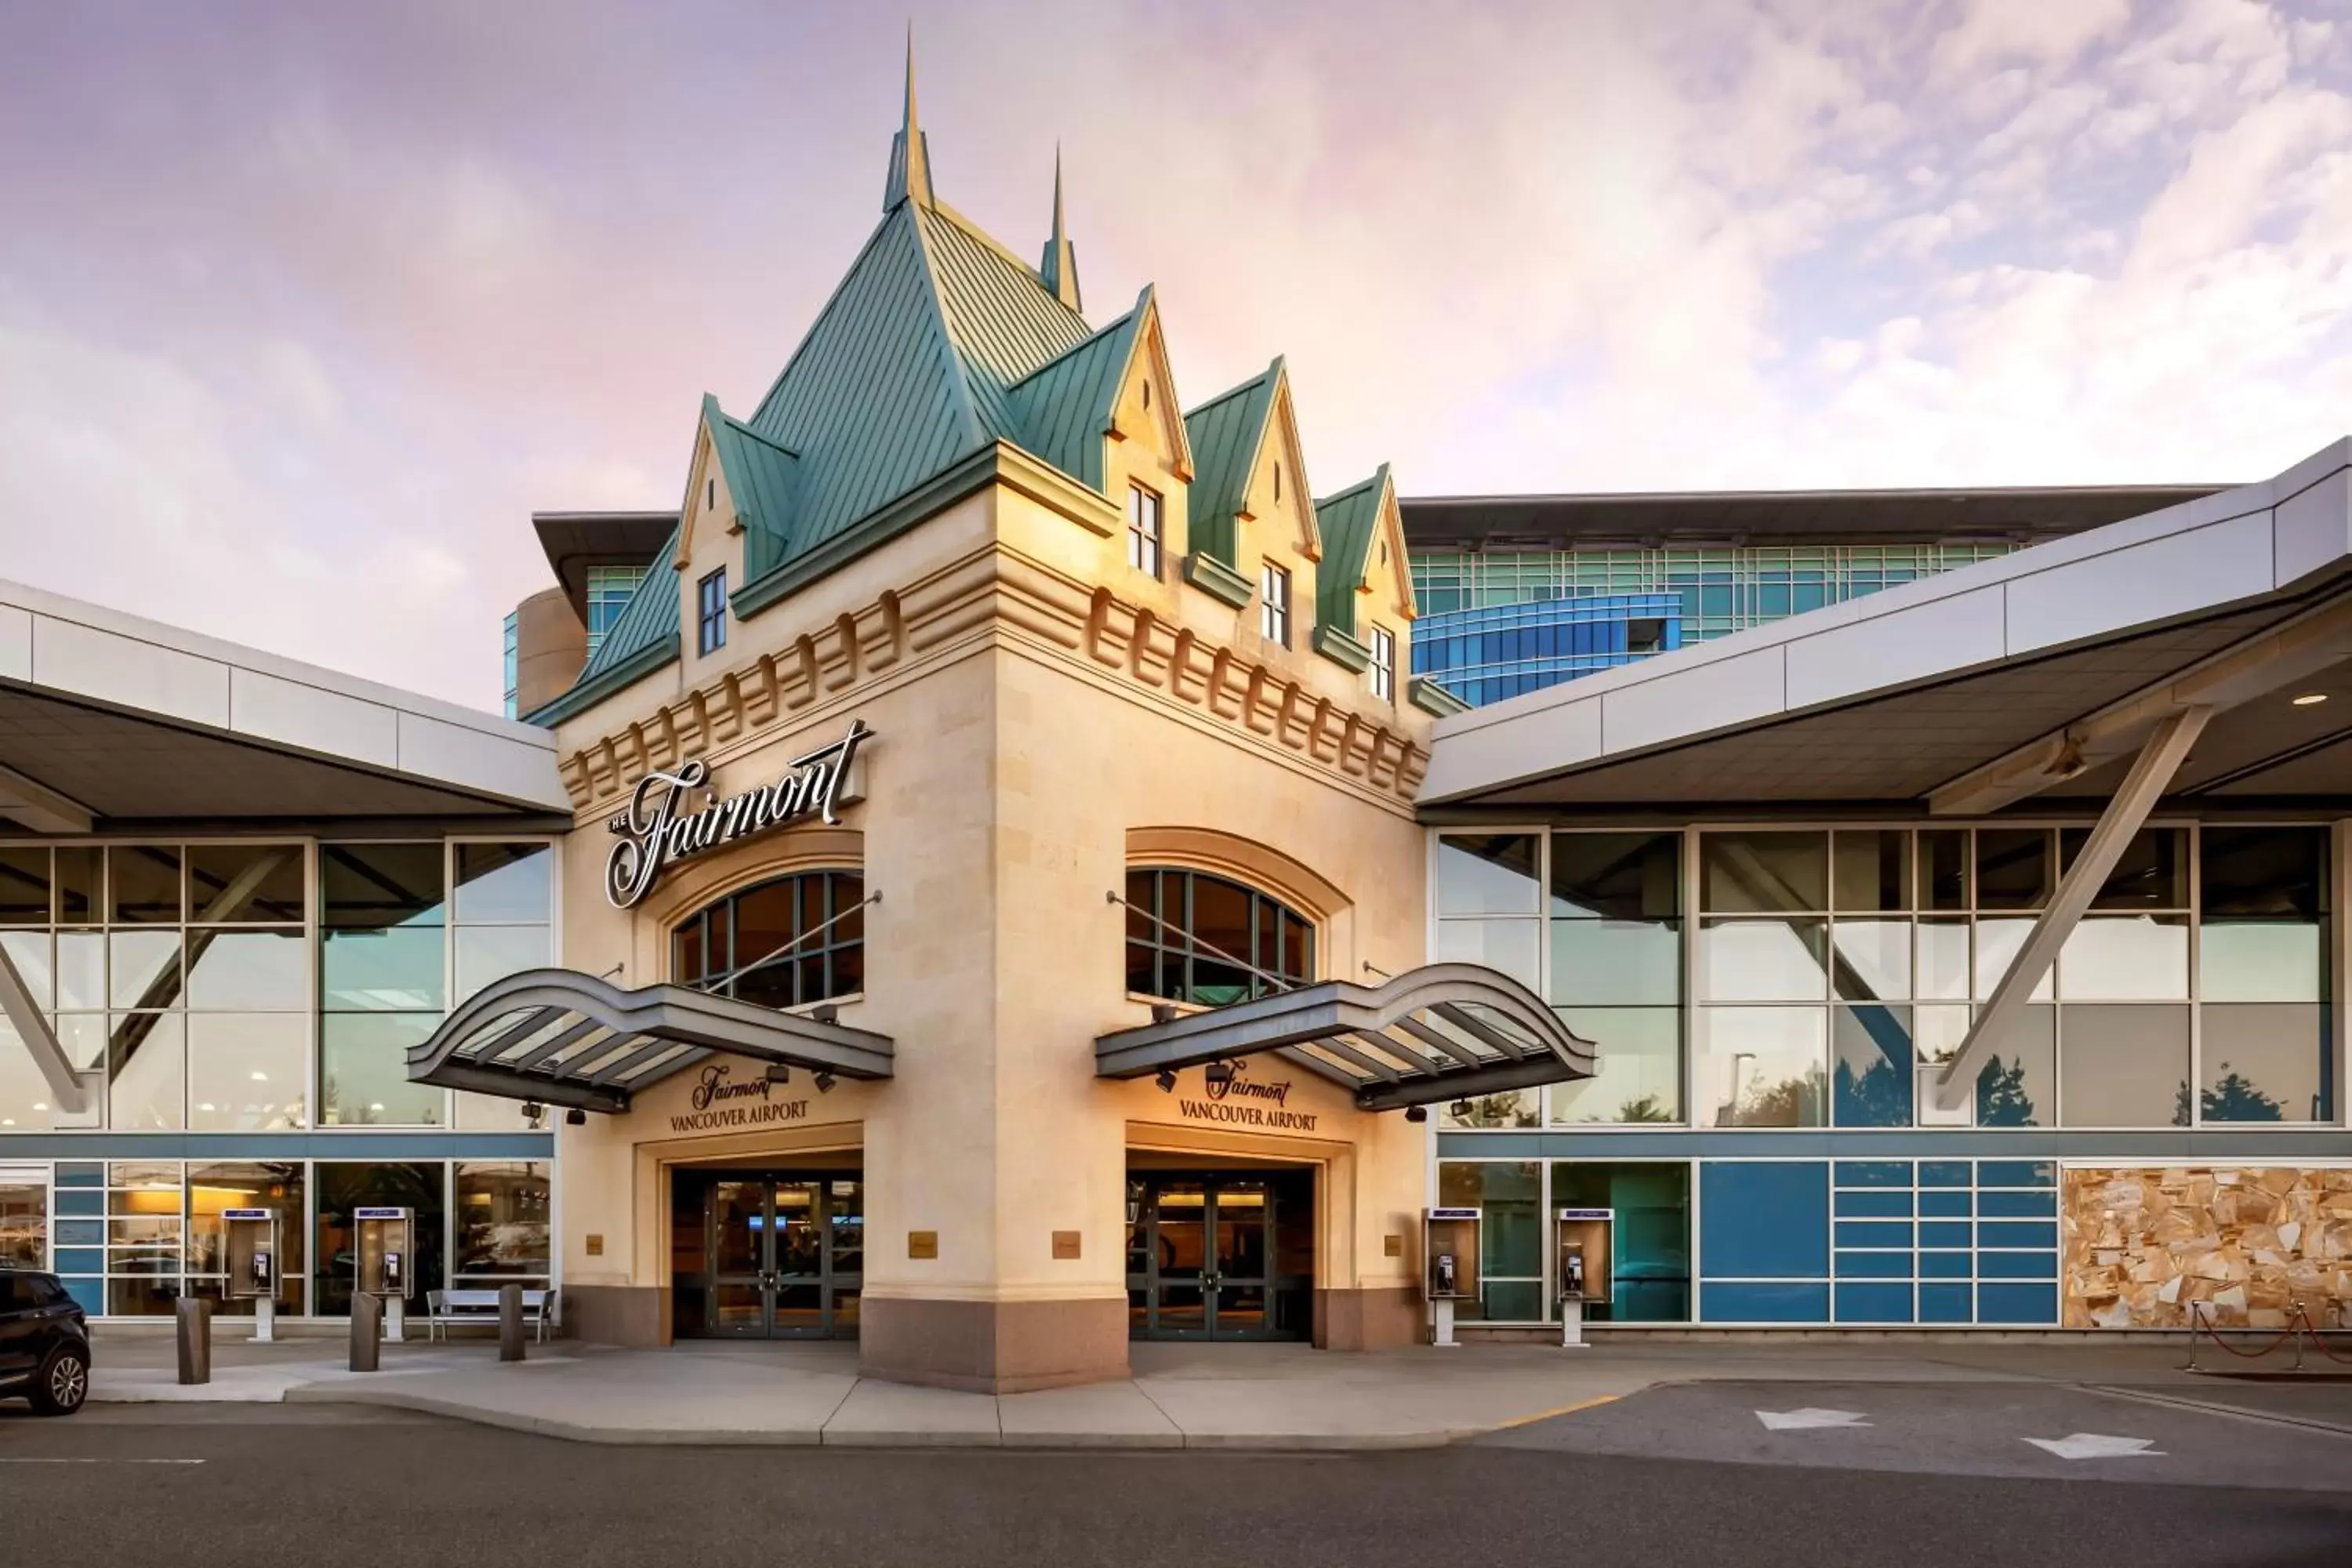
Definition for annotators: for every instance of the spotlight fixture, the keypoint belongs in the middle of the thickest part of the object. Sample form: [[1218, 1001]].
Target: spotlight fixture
[[1460, 1109], [1166, 1081], [1416, 1113], [533, 1110], [575, 1116], [779, 1073], [825, 1083], [2310, 699], [1220, 1075]]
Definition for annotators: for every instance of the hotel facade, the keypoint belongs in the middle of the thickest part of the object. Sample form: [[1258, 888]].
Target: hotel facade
[[984, 878]]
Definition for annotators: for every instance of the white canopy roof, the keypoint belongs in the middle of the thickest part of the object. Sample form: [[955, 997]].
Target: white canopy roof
[[2041, 672]]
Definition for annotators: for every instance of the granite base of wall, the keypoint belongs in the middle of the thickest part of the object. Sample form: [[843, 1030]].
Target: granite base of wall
[[1382, 1319], [2141, 1246], [635, 1316], [992, 1347]]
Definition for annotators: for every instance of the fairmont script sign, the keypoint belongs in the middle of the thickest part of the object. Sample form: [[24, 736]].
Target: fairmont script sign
[[661, 827]]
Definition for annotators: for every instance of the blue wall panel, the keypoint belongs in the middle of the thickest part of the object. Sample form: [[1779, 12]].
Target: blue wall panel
[[1764, 1220], [1752, 1302], [1873, 1303]]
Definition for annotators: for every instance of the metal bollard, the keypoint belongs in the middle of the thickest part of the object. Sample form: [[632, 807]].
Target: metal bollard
[[194, 1329], [510, 1322], [367, 1330]]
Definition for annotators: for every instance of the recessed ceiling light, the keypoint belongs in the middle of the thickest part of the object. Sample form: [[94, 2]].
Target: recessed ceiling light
[[260, 1076], [2310, 699]]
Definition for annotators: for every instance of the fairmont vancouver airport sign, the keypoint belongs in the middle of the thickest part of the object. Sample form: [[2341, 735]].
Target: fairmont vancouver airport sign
[[662, 826]]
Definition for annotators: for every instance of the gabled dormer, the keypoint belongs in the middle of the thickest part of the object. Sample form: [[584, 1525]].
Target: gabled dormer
[[738, 481], [1364, 606], [1107, 407], [1253, 513]]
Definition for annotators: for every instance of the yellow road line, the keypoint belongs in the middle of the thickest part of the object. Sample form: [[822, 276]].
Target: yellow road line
[[1563, 1410]]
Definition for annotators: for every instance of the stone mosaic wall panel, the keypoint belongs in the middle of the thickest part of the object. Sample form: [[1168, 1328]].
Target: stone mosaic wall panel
[[2142, 1243]]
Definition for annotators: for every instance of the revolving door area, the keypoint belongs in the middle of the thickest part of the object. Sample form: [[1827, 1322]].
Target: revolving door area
[[1221, 1255], [766, 1253]]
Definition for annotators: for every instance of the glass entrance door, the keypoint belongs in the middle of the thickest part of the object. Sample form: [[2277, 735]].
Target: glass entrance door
[[783, 1257], [1227, 1256]]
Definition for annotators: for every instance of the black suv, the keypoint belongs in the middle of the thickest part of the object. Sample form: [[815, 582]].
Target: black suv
[[43, 1343]]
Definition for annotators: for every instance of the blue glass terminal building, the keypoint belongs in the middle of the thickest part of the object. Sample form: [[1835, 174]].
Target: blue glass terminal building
[[1517, 592]]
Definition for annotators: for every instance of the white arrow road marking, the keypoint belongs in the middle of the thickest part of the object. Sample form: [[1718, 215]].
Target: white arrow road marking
[[2092, 1446], [1799, 1420]]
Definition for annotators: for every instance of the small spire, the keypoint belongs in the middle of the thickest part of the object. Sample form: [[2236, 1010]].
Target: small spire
[[910, 150], [1059, 268]]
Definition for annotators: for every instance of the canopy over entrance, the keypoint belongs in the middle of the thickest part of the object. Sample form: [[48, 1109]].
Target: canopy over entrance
[[569, 1039], [1446, 1031]]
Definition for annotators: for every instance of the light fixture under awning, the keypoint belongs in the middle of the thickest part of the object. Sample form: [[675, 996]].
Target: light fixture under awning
[[1446, 1031], [570, 1039]]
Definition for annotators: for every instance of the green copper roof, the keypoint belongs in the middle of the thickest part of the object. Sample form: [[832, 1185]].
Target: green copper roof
[[760, 475], [1226, 434], [1347, 523], [1064, 409]]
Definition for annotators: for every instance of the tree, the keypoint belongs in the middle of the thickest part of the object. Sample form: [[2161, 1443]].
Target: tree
[[1879, 1098], [1649, 1108], [2235, 1099], [2001, 1100]]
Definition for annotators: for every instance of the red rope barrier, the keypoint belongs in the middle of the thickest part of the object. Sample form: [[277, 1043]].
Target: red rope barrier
[[2303, 1317], [2198, 1320]]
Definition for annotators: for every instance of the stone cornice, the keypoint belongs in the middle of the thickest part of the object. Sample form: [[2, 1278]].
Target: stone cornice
[[902, 629]]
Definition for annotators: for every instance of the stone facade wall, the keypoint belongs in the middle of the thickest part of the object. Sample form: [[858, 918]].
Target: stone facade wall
[[2142, 1243]]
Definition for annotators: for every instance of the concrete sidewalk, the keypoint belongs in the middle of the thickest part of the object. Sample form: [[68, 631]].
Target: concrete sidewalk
[[1192, 1397]]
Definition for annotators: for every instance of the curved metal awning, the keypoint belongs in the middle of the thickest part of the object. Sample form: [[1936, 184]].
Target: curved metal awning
[[1442, 1032], [569, 1039]]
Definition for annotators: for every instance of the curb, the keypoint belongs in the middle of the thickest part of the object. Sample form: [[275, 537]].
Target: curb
[[2181, 1401], [614, 1436]]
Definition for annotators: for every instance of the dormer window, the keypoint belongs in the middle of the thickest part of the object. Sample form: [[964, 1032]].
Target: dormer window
[[1274, 604], [1383, 665], [1278, 484], [710, 613], [1143, 535]]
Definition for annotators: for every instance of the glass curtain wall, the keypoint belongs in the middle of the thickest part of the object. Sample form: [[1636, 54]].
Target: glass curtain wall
[[179, 971], [1832, 972], [1720, 591], [130, 1237]]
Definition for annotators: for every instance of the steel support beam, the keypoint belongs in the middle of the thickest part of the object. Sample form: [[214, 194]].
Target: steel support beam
[[31, 804], [33, 1029], [2293, 650], [2159, 758]]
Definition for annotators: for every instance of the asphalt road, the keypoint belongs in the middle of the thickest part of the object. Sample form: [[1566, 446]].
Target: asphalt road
[[302, 1485]]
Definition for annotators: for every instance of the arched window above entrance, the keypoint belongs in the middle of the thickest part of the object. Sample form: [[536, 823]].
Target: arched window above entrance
[[784, 943], [1207, 939]]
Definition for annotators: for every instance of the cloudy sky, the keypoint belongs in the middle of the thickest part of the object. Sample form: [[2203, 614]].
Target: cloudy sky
[[304, 309]]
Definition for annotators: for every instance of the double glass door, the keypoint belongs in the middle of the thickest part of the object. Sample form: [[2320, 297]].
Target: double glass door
[[785, 1256], [1220, 1257]]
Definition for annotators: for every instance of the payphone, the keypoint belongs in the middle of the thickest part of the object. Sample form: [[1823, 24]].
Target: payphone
[[249, 1239], [1586, 1270], [1449, 1265], [388, 1261]]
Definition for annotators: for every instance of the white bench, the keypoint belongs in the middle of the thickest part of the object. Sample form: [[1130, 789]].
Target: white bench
[[442, 1308]]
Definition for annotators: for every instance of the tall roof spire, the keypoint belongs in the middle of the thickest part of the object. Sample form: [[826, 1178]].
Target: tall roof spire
[[910, 150], [1059, 264], [1059, 268]]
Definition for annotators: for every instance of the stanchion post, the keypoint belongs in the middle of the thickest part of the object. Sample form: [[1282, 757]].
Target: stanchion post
[[510, 1343], [367, 1330], [194, 1329]]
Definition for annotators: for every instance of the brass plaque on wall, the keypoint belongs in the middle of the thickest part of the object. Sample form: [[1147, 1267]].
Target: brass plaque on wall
[[1065, 1244], [922, 1244], [596, 1246], [1392, 1246]]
